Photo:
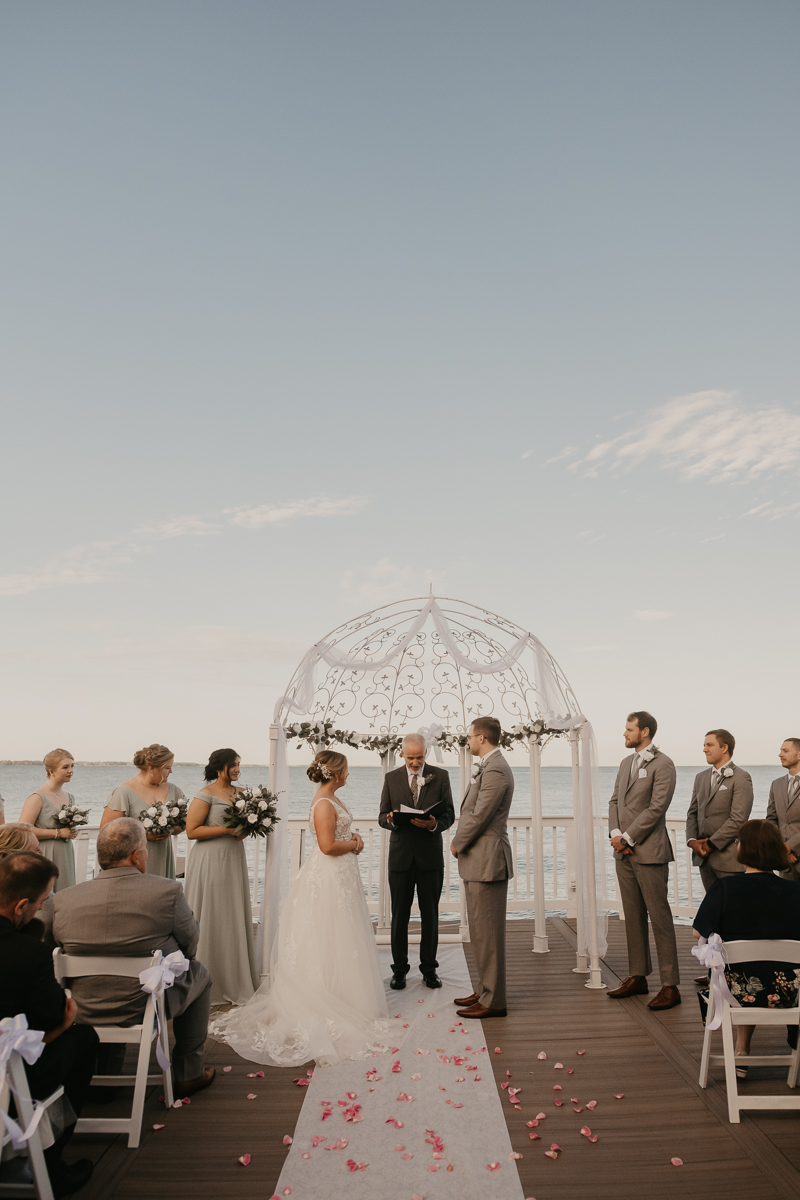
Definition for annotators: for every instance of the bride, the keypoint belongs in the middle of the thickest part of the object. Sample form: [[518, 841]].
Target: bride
[[324, 998]]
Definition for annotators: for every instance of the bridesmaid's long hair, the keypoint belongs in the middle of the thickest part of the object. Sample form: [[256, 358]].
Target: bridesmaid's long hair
[[217, 762]]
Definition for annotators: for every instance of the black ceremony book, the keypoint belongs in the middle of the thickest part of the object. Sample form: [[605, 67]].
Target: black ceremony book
[[403, 817]]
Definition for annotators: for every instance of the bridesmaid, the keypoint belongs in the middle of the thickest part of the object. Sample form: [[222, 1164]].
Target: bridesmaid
[[131, 798], [217, 886], [40, 810]]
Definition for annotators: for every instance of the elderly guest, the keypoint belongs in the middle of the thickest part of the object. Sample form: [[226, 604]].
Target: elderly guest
[[28, 985], [125, 911], [40, 810], [18, 836], [132, 798], [754, 906]]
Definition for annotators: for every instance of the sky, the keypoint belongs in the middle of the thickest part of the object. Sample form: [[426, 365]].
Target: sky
[[305, 307]]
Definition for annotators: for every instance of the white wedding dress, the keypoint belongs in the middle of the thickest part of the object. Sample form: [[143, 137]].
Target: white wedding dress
[[325, 997]]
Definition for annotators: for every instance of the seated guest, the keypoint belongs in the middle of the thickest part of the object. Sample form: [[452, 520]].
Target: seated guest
[[125, 911], [756, 906], [28, 985], [18, 836]]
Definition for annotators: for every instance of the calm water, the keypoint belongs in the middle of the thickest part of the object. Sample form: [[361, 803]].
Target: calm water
[[91, 786]]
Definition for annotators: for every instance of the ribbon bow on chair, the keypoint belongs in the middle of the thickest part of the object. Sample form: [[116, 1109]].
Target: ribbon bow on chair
[[431, 733], [16, 1037], [709, 954], [155, 980]]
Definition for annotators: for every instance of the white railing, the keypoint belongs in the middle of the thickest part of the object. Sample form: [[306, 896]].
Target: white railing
[[559, 867]]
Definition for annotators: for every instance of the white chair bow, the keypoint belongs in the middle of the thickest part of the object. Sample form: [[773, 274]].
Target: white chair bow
[[16, 1037], [709, 954], [156, 980], [431, 733]]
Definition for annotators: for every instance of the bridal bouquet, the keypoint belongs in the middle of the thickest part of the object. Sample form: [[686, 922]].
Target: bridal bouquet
[[163, 818], [69, 816], [253, 813]]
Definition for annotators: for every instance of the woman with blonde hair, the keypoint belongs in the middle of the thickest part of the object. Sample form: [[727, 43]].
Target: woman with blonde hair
[[40, 810], [132, 798], [217, 885], [324, 998], [18, 835]]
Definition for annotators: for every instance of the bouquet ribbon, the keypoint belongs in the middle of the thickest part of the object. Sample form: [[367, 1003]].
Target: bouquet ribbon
[[155, 980], [709, 953], [16, 1037]]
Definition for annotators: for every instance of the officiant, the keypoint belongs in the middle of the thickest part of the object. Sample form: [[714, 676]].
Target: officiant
[[416, 857]]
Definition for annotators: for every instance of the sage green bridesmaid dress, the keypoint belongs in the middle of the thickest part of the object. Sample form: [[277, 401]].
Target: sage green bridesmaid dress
[[125, 801], [218, 890], [58, 851]]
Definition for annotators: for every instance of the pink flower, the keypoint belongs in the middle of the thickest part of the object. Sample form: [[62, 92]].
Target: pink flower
[[244, 1160]]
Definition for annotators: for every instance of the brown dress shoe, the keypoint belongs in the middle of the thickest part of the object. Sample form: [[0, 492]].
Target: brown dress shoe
[[466, 1001], [668, 997], [634, 985], [190, 1086], [479, 1013]]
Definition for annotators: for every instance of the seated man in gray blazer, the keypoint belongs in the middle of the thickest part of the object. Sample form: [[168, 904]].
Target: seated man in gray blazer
[[783, 809], [126, 912], [722, 798]]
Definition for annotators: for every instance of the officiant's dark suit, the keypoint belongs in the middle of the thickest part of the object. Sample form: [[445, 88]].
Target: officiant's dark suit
[[416, 860]]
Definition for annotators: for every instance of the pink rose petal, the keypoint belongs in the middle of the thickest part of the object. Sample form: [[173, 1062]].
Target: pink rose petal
[[578, 1109], [586, 1131], [559, 1103], [531, 1124], [435, 1167], [557, 1087], [676, 1162], [408, 1157], [244, 1160], [541, 1116], [186, 1100], [535, 1137], [393, 1049], [226, 1069], [570, 1071], [618, 1095], [592, 1104], [252, 1095], [396, 1067], [541, 1056], [399, 1147], [555, 1146], [497, 1050], [178, 1104], [305, 1154], [558, 1067], [493, 1166], [287, 1191], [287, 1141], [317, 1141], [593, 1138], [551, 1154]]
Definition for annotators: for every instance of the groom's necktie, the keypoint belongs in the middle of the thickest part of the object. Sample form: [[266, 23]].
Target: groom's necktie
[[415, 790], [794, 787]]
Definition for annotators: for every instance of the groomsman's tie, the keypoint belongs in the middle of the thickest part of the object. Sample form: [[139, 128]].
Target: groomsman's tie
[[415, 790], [794, 787], [635, 767]]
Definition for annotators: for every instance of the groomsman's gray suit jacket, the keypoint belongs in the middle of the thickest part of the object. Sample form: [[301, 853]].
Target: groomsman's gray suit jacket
[[639, 808], [719, 815], [123, 912], [783, 814], [484, 851]]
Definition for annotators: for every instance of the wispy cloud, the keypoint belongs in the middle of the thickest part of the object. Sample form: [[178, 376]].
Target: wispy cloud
[[384, 581], [651, 614], [174, 527], [94, 563], [774, 512], [253, 517], [567, 452], [706, 435]]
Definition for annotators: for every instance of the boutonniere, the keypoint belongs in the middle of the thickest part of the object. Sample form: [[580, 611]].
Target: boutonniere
[[477, 770], [423, 779], [727, 772], [649, 754]]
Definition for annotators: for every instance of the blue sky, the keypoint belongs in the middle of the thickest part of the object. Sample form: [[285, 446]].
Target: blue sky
[[308, 305]]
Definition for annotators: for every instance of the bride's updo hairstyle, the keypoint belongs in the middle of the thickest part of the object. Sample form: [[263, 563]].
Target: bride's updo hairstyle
[[217, 762], [325, 765], [152, 757]]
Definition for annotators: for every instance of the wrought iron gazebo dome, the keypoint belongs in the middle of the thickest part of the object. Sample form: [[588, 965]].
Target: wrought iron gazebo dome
[[444, 673]]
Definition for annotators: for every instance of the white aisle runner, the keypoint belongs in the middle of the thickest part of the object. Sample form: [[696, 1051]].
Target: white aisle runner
[[452, 1129]]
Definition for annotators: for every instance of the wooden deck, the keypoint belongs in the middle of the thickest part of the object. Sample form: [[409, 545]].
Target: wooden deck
[[653, 1059]]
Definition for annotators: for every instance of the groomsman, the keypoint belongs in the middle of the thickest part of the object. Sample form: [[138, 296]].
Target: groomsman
[[485, 865], [784, 804], [637, 818], [416, 856], [722, 798]]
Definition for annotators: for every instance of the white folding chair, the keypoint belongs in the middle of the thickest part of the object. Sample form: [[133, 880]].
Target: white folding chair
[[16, 1083], [72, 966], [720, 1007]]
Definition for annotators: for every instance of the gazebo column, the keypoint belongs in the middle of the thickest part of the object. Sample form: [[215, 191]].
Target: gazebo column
[[540, 943], [582, 965], [384, 900], [465, 772], [595, 980]]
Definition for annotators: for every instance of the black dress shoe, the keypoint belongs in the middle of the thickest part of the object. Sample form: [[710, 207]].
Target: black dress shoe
[[398, 982], [66, 1179], [432, 980]]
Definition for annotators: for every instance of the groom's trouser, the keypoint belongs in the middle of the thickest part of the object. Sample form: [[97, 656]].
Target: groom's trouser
[[486, 912], [643, 890], [429, 889]]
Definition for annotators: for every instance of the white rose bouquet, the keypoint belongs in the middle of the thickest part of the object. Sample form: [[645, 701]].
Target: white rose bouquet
[[164, 818], [254, 812], [69, 816]]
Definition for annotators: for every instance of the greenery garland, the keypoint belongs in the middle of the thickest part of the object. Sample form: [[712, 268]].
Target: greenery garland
[[321, 734]]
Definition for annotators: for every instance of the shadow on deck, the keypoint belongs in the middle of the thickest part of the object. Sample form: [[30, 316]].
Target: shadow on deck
[[653, 1059]]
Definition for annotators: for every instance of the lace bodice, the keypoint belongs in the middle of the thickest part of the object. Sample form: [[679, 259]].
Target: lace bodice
[[344, 819]]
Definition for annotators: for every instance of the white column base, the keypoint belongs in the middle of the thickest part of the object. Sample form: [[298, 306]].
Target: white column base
[[594, 981], [540, 944], [582, 967]]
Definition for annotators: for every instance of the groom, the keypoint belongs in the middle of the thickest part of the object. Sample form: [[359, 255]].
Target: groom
[[485, 865], [416, 859]]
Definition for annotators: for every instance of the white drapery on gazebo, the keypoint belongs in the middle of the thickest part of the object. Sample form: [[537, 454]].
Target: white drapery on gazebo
[[434, 665]]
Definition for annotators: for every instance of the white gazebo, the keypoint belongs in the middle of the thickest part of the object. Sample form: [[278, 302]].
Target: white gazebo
[[432, 666]]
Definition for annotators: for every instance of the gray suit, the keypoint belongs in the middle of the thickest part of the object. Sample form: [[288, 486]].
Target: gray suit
[[638, 807], [717, 811], [787, 817], [123, 912], [485, 865]]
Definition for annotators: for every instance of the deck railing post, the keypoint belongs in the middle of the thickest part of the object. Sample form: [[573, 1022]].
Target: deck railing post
[[582, 959], [540, 942], [587, 817]]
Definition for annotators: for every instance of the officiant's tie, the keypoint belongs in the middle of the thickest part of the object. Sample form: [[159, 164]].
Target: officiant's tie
[[415, 790]]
